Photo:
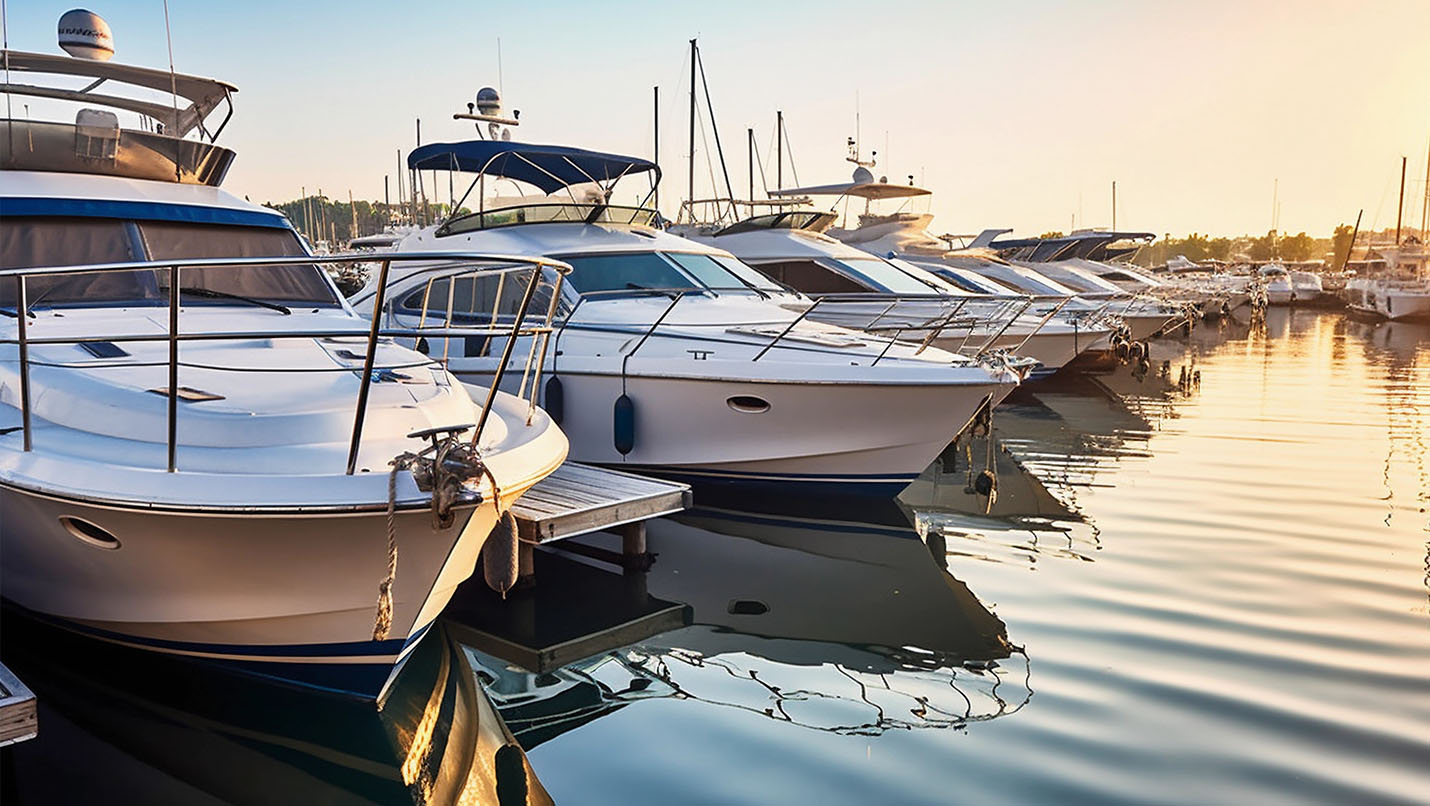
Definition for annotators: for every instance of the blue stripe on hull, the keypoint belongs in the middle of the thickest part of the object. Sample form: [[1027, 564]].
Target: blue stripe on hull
[[363, 678]]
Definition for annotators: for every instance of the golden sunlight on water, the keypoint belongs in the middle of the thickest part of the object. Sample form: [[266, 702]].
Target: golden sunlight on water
[[1219, 593]]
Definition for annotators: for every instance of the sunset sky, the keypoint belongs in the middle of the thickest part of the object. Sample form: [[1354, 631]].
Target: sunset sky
[[1016, 114]]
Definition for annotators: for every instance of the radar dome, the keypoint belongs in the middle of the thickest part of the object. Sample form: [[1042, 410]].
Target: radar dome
[[488, 102], [85, 35], [862, 175]]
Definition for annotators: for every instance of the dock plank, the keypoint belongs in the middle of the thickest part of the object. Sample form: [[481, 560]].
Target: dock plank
[[18, 718], [578, 499]]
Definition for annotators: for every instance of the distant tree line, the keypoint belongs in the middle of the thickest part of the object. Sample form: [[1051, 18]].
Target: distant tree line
[[320, 218]]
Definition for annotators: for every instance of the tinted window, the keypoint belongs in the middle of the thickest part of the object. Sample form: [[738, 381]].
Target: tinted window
[[167, 240], [720, 272], [809, 277], [27, 242], [625, 272], [885, 275]]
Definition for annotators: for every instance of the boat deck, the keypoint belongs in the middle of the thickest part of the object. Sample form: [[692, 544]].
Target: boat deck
[[18, 719]]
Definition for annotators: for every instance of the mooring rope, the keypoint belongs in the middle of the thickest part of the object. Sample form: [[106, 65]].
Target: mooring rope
[[382, 624]]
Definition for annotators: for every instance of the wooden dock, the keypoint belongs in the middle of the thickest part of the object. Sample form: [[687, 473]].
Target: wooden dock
[[18, 719], [578, 499]]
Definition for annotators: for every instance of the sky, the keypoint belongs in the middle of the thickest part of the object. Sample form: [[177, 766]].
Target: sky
[[1016, 114]]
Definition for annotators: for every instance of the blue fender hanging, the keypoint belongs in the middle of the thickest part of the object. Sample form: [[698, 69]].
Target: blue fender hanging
[[554, 401], [624, 425]]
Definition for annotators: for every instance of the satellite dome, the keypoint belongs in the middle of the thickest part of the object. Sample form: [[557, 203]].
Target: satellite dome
[[85, 35], [862, 175], [488, 102]]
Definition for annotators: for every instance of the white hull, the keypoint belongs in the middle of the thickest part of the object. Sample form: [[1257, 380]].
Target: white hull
[[1053, 349], [263, 613], [815, 434], [1388, 302]]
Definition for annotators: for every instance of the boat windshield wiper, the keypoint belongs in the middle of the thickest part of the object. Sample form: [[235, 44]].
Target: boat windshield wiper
[[198, 291]]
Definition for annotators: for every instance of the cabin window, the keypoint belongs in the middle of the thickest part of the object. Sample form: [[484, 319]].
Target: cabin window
[[720, 272], [27, 242], [632, 271], [887, 276], [167, 240], [809, 277]]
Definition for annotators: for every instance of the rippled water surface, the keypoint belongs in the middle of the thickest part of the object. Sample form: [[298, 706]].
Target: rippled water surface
[[1213, 590], [1206, 584]]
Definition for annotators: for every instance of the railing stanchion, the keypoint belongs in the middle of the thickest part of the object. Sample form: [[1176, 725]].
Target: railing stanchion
[[379, 299], [22, 308], [173, 402], [506, 351], [787, 329]]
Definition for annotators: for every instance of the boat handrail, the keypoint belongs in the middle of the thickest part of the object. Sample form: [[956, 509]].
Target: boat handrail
[[981, 330], [452, 264]]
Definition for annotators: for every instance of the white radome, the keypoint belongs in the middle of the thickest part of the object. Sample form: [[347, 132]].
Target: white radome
[[85, 35]]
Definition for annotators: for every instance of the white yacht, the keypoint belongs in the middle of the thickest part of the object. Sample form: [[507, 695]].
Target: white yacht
[[904, 235], [869, 292], [674, 357], [1280, 289], [1393, 281], [196, 431]]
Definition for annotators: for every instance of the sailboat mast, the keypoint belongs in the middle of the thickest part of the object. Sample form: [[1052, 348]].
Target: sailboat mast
[[1352, 246], [780, 151], [1425, 208], [690, 173], [1400, 206], [750, 146]]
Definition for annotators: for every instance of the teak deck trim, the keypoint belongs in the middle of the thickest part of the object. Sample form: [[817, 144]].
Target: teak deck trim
[[578, 499], [18, 718]]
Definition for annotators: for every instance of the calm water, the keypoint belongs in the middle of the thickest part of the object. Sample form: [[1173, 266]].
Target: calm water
[[1212, 583]]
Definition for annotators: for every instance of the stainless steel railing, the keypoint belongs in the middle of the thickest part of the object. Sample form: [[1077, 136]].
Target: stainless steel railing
[[447, 263]]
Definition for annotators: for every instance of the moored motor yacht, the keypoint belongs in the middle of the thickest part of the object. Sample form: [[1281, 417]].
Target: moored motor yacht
[[1393, 281], [1280, 289], [673, 356], [869, 292], [197, 433]]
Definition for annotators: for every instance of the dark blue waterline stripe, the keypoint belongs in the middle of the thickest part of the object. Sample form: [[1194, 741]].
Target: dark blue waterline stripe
[[258, 651], [139, 210]]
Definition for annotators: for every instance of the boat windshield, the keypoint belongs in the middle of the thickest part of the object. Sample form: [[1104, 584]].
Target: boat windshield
[[27, 242], [881, 273], [676, 271]]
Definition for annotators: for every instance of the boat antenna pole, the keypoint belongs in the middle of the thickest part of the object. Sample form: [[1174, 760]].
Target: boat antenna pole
[[1400, 207], [5, 45], [655, 145], [1114, 205], [173, 84]]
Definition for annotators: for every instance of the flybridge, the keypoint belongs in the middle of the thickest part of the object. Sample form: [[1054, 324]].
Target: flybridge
[[95, 142]]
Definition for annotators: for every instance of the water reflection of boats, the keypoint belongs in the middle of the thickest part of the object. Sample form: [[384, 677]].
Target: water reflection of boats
[[176, 731], [832, 624]]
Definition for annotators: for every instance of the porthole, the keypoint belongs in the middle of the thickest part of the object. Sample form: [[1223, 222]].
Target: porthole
[[748, 404], [89, 533], [747, 607]]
